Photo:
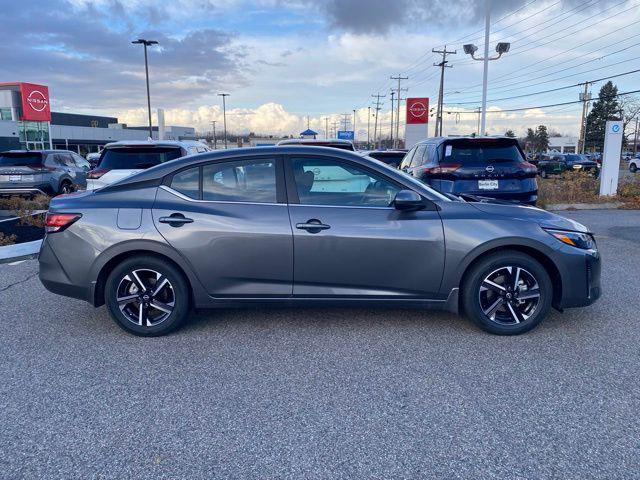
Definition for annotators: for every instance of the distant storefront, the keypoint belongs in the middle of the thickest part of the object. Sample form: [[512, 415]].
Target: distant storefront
[[26, 122]]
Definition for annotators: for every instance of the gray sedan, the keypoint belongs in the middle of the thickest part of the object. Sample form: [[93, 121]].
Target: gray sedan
[[309, 225]]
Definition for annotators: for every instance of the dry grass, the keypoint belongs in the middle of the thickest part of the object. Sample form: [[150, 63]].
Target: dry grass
[[580, 187], [7, 239], [25, 208]]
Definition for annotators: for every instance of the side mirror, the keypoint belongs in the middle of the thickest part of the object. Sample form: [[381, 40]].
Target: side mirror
[[407, 200]]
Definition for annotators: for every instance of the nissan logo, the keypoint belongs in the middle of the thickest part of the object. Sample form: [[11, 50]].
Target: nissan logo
[[37, 100], [490, 168]]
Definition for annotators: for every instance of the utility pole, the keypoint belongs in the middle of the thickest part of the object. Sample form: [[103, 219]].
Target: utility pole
[[334, 128], [354, 126], [442, 65], [392, 99], [368, 126], [377, 109], [224, 116], [345, 121], [479, 113], [584, 97], [326, 128], [215, 141], [399, 78], [635, 139]]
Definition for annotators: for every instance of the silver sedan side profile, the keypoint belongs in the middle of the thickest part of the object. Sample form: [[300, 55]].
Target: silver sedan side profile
[[293, 225]]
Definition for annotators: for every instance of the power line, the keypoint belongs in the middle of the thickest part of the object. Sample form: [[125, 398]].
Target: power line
[[550, 90]]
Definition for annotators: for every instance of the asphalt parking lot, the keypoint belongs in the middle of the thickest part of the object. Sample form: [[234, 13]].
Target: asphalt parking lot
[[338, 393]]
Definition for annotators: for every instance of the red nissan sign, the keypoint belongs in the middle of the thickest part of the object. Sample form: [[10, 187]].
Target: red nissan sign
[[417, 110], [35, 102]]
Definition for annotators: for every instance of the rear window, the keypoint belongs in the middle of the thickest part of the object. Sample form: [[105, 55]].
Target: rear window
[[480, 152], [20, 159], [138, 157]]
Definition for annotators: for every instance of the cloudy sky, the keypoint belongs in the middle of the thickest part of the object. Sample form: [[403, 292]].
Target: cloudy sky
[[284, 60]]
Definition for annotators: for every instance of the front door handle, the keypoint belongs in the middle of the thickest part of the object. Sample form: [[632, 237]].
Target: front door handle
[[313, 226], [175, 220]]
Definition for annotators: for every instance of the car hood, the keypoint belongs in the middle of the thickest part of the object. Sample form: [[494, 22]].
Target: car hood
[[530, 214]]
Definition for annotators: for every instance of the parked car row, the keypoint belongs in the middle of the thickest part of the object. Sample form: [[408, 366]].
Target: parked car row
[[559, 163]]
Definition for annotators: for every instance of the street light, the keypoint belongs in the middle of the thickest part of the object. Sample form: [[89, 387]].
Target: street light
[[224, 116], [146, 43], [471, 49]]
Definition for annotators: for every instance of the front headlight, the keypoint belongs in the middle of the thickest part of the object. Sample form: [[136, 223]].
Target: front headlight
[[584, 241]]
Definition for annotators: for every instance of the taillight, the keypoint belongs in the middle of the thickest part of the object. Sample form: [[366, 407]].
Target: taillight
[[96, 173], [56, 222], [446, 168], [528, 167]]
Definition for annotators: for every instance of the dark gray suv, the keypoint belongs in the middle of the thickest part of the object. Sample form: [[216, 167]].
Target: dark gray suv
[[308, 225], [51, 172]]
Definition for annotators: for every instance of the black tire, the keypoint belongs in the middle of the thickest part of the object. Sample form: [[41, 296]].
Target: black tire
[[543, 173], [633, 168], [173, 295], [515, 315], [65, 187]]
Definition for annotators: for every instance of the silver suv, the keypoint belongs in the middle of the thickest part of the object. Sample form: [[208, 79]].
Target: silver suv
[[29, 172], [122, 159]]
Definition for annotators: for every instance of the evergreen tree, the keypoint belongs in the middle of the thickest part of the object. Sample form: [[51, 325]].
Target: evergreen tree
[[542, 138], [530, 140], [510, 134], [605, 108]]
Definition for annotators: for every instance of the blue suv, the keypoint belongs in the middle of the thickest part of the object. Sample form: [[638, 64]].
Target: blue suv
[[30, 172], [494, 167]]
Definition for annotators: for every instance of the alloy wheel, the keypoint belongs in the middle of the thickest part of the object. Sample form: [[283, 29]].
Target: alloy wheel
[[145, 297], [509, 295]]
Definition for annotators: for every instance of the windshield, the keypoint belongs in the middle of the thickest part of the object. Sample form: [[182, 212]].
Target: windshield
[[134, 158], [481, 152], [20, 159]]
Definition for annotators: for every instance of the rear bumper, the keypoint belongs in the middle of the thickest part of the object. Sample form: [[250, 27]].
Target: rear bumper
[[54, 277], [526, 193], [25, 188]]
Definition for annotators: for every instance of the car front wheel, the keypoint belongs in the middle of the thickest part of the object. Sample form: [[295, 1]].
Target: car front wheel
[[507, 293], [147, 296], [633, 168]]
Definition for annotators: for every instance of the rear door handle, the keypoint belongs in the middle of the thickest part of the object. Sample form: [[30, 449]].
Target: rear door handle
[[175, 220], [313, 226]]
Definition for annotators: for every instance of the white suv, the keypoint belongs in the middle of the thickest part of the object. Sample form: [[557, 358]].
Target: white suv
[[634, 163], [122, 159]]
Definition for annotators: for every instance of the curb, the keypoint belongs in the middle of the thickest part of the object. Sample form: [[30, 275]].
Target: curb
[[20, 251], [584, 206]]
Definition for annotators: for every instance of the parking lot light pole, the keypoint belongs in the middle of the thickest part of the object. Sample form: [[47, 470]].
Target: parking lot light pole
[[224, 116], [146, 43], [470, 49]]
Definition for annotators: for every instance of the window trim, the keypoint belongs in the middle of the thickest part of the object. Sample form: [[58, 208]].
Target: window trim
[[292, 191], [281, 195]]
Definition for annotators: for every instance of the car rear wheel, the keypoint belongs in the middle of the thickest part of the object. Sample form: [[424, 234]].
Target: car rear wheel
[[65, 188], [633, 168], [543, 173], [507, 293], [147, 297]]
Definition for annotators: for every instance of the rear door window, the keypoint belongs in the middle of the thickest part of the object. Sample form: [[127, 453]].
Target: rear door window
[[251, 181], [135, 158], [417, 159], [187, 182], [406, 161]]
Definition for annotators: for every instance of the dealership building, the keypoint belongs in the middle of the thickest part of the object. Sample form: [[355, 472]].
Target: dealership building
[[26, 122]]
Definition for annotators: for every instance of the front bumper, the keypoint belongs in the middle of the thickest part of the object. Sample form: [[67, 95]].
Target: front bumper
[[580, 271]]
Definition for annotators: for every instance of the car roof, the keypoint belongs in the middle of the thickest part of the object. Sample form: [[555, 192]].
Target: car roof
[[440, 140], [48, 150], [313, 141], [154, 143], [166, 168]]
